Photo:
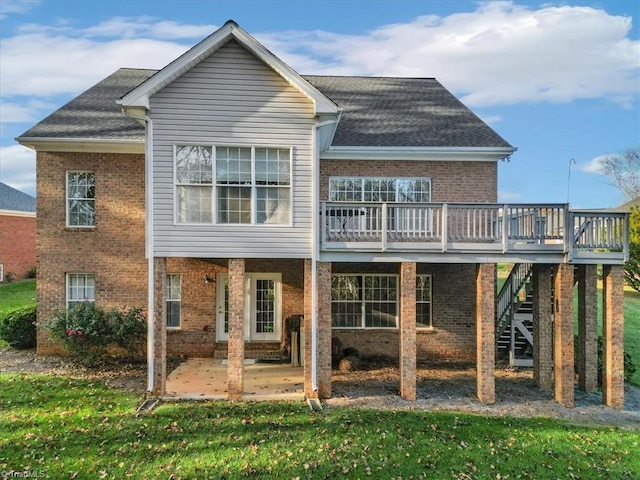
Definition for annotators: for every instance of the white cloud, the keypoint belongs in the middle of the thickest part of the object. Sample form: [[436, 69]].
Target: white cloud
[[501, 53], [491, 119], [593, 166], [28, 112], [18, 168], [507, 196], [8, 7]]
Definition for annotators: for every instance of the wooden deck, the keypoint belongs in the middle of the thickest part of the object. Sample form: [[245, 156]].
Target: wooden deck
[[464, 232]]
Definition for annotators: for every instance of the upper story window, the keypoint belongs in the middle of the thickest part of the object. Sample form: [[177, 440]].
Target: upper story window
[[81, 203], [247, 185], [81, 287], [373, 189]]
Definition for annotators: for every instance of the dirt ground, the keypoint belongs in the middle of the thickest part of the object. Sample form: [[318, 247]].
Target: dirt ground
[[440, 388]]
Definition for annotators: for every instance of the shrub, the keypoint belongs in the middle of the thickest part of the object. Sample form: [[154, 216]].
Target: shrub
[[18, 327], [31, 273], [10, 277], [88, 331]]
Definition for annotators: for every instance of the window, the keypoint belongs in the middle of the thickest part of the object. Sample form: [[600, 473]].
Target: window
[[403, 190], [364, 301], [81, 203], [81, 287], [173, 301], [251, 185], [423, 301]]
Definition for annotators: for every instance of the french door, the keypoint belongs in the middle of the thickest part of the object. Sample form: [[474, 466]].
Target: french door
[[262, 302]]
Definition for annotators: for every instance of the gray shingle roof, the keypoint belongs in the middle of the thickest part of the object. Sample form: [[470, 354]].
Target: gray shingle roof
[[385, 112], [395, 112], [12, 199], [94, 114]]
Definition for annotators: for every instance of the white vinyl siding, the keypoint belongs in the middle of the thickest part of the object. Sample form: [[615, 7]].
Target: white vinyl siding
[[232, 99]]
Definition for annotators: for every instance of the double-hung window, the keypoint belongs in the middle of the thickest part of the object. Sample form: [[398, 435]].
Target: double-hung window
[[81, 287], [364, 301], [247, 185], [174, 295], [423, 301], [81, 203]]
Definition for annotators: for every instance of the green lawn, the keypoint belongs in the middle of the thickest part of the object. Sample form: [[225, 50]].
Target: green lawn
[[67, 428], [18, 294]]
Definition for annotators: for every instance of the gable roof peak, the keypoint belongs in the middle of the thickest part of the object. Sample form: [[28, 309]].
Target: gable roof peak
[[139, 96]]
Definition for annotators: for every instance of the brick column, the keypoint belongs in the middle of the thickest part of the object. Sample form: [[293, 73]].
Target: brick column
[[542, 327], [235, 345], [486, 332], [563, 336], [587, 328], [408, 330], [308, 285], [613, 336], [159, 327], [323, 326]]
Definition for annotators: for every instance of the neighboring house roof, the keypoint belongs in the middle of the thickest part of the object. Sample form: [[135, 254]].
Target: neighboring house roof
[[626, 207], [15, 200], [94, 114], [403, 112]]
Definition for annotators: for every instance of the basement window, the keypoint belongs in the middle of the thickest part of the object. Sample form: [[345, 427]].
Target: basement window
[[174, 299], [364, 301]]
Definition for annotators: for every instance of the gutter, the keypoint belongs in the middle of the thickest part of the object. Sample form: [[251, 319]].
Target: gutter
[[315, 246], [149, 253]]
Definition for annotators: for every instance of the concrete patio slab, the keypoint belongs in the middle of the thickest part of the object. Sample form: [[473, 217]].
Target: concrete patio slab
[[206, 379]]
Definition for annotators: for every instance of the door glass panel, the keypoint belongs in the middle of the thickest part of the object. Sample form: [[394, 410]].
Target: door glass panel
[[265, 306]]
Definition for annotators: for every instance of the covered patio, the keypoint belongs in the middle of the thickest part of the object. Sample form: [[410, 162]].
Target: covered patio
[[206, 379]]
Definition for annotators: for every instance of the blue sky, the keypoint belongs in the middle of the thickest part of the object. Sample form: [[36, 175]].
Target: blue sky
[[557, 79]]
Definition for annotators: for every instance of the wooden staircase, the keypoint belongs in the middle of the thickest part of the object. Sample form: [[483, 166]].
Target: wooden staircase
[[514, 317]]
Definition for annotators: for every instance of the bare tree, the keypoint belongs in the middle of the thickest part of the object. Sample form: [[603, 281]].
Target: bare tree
[[624, 171]]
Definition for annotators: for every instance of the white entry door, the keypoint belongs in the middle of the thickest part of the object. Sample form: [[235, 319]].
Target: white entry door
[[263, 313]]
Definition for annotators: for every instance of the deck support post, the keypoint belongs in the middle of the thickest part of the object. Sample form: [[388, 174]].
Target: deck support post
[[235, 345], [159, 327], [408, 330], [587, 328], [563, 352], [542, 327], [323, 326], [307, 328], [613, 336], [485, 332]]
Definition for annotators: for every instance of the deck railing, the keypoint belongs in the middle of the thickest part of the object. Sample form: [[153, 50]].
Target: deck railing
[[500, 228]]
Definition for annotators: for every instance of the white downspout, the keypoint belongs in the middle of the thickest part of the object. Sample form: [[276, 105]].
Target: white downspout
[[315, 246], [149, 251]]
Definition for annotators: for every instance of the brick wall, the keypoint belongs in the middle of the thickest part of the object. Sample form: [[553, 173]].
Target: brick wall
[[197, 334], [453, 335], [451, 181], [113, 250], [17, 244]]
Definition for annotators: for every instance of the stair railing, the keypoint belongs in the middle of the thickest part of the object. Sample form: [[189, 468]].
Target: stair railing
[[507, 300]]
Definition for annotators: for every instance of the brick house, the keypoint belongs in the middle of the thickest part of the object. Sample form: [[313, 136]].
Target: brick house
[[17, 233], [237, 199]]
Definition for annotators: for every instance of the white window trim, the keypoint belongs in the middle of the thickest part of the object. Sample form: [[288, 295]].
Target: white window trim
[[214, 185], [66, 200], [363, 302], [430, 302], [363, 180], [66, 294], [175, 300]]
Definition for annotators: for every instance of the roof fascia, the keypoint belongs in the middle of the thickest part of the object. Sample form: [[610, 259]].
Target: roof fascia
[[139, 96], [467, 154], [87, 145], [17, 213]]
